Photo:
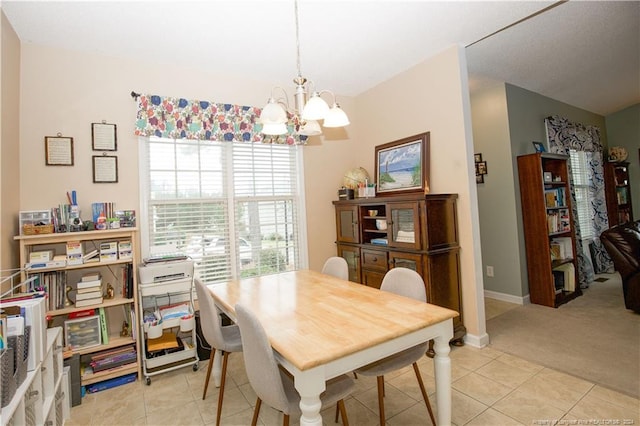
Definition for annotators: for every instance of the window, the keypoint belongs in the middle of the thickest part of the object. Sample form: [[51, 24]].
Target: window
[[234, 208], [582, 184]]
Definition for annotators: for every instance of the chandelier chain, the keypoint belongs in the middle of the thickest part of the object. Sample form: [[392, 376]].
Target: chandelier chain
[[297, 38]]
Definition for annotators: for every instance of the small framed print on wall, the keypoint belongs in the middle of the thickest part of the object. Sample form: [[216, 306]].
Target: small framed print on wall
[[104, 137], [105, 169], [58, 150]]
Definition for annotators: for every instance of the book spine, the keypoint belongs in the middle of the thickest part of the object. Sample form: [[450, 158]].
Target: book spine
[[104, 332]]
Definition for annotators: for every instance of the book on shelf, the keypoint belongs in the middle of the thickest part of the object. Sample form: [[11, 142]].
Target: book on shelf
[[82, 314], [41, 256], [92, 256], [91, 276], [88, 284], [89, 289], [104, 327], [90, 295], [568, 276], [565, 247], [88, 302]]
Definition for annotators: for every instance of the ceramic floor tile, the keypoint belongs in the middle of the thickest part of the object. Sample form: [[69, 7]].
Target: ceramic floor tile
[[408, 384], [527, 408], [491, 417], [469, 358], [395, 401], [616, 398], [505, 374], [182, 414], [481, 388], [233, 403], [417, 414], [554, 393], [592, 408], [520, 363]]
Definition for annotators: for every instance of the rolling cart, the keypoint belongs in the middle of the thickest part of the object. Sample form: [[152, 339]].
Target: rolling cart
[[167, 326]]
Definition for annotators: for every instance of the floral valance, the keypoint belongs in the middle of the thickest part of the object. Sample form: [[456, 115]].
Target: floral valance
[[179, 118]]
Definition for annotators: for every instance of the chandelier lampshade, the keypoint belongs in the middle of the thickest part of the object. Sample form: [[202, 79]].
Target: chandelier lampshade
[[336, 117]]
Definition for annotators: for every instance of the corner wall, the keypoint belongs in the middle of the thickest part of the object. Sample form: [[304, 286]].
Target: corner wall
[[433, 96], [9, 148]]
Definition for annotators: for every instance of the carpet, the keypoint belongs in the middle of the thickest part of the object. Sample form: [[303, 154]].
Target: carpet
[[592, 337]]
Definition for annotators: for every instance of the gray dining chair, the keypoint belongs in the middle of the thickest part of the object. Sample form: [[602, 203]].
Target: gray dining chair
[[336, 266], [273, 385], [409, 283], [225, 339]]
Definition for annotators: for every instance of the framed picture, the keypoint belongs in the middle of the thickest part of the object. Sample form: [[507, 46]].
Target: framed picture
[[105, 169], [481, 168], [548, 177], [479, 178], [539, 147], [477, 158], [104, 137], [58, 150], [403, 165]]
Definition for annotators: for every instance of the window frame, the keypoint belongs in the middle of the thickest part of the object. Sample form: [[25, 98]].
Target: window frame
[[232, 200]]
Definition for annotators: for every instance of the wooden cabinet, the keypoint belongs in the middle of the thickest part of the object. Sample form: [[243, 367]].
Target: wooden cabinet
[[413, 231], [60, 282], [618, 193], [548, 228]]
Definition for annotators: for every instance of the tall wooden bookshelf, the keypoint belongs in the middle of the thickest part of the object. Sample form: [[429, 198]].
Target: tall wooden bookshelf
[[548, 228], [618, 192]]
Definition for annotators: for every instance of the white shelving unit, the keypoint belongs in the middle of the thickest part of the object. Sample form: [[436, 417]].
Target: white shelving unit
[[40, 400], [155, 295]]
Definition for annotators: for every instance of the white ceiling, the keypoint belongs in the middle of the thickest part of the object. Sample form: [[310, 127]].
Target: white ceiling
[[586, 54]]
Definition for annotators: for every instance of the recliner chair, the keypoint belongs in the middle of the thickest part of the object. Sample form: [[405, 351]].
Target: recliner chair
[[622, 242]]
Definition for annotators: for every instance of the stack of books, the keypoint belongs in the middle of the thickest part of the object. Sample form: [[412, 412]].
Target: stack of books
[[89, 290], [113, 358]]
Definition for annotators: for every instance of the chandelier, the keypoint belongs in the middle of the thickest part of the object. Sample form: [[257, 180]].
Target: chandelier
[[306, 112]]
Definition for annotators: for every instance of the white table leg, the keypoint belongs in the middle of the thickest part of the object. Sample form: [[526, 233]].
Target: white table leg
[[442, 364], [217, 368], [310, 384]]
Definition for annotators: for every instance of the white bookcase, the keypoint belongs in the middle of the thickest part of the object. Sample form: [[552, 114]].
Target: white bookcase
[[40, 399]]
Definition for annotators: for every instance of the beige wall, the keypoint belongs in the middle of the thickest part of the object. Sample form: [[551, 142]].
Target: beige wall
[[9, 156], [433, 96], [65, 91]]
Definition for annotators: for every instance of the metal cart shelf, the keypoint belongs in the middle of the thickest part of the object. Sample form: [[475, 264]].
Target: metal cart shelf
[[156, 297]]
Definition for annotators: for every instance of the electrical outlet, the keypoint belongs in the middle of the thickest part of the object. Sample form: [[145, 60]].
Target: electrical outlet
[[489, 271]]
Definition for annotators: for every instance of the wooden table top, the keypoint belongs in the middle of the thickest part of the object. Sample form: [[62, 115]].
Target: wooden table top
[[312, 318]]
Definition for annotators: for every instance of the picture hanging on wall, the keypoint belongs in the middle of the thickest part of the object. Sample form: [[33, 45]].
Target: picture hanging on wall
[[403, 165]]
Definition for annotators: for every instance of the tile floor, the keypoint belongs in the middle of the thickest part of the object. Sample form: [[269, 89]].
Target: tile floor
[[489, 388]]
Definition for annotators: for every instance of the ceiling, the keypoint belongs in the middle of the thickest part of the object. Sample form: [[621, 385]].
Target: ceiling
[[584, 53]]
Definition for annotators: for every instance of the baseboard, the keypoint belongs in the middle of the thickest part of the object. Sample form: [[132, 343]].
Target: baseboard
[[507, 297], [476, 341]]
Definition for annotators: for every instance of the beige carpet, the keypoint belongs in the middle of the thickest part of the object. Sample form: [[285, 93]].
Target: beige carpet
[[592, 337]]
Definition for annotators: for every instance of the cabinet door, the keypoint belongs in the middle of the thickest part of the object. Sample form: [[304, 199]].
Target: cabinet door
[[411, 261], [352, 256], [405, 225], [372, 278], [348, 230]]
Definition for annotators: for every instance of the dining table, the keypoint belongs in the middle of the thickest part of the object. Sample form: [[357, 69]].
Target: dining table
[[320, 327]]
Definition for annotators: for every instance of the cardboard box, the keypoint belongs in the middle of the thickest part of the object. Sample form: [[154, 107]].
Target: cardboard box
[[124, 249]]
